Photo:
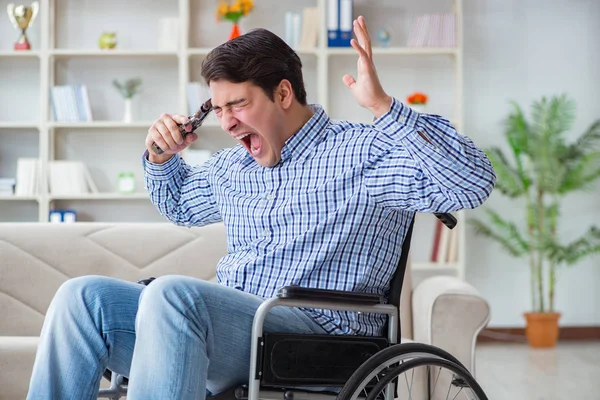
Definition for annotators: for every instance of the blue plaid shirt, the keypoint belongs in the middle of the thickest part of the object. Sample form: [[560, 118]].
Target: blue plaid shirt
[[334, 212]]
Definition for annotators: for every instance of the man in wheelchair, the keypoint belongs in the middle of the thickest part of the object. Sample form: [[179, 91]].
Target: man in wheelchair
[[307, 201]]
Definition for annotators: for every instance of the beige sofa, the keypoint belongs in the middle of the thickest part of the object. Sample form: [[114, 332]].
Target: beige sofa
[[37, 258]]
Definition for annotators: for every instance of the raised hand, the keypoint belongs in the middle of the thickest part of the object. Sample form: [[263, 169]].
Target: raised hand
[[366, 88]]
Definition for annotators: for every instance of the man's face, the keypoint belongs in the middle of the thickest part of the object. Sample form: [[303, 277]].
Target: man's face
[[249, 116]]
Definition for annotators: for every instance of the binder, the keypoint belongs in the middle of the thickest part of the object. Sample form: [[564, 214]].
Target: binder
[[339, 22]]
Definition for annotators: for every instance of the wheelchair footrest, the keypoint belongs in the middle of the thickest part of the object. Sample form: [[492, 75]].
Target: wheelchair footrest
[[315, 360]]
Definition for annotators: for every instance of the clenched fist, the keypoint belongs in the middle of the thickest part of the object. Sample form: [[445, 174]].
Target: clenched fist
[[165, 133]]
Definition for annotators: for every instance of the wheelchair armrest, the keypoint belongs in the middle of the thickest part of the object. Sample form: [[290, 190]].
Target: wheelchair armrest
[[294, 292]]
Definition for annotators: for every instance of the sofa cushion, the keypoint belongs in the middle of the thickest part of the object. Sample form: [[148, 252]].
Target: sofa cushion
[[38, 258], [17, 355]]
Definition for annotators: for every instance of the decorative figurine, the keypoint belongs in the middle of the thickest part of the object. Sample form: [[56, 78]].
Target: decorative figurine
[[383, 36], [108, 40]]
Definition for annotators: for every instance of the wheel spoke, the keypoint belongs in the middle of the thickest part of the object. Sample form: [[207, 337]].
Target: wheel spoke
[[459, 390], [448, 394], [436, 380]]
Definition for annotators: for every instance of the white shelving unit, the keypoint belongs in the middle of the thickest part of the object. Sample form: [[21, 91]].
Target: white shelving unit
[[64, 40]]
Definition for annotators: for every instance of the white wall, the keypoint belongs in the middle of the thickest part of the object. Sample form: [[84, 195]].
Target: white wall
[[523, 50]]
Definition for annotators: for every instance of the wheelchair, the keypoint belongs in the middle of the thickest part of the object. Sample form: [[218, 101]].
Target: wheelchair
[[343, 367]]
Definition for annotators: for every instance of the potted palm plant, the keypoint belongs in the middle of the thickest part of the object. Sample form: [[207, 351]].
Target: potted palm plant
[[543, 169]]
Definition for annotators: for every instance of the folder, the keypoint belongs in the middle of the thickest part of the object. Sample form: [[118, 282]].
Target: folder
[[339, 23]]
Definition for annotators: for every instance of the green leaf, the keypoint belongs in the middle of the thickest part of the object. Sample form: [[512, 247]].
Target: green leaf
[[508, 180], [504, 232], [517, 131], [586, 245], [580, 172]]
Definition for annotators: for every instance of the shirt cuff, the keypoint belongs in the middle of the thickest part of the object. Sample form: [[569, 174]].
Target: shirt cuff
[[161, 172], [400, 118]]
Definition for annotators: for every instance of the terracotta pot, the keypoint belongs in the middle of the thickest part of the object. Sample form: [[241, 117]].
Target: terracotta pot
[[542, 329]]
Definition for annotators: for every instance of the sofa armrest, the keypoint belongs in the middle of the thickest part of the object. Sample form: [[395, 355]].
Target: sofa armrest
[[449, 313]]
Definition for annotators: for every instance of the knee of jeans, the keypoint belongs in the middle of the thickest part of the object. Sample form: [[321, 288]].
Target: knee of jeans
[[169, 291], [76, 291]]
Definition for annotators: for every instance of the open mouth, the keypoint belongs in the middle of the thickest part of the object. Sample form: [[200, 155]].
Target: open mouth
[[251, 142]]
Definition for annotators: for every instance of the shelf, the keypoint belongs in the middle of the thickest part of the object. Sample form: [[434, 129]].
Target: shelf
[[18, 198], [101, 124], [18, 125], [111, 53], [202, 51], [199, 51], [20, 54], [396, 51], [432, 266], [66, 52], [112, 124], [101, 196]]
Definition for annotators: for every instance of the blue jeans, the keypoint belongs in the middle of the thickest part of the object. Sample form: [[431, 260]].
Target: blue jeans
[[177, 338]]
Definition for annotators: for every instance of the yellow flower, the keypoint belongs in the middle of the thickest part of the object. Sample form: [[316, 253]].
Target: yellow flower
[[223, 8], [235, 7], [247, 6]]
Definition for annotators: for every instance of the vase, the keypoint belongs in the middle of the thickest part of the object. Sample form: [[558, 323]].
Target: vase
[[127, 116], [420, 108], [235, 31], [542, 329]]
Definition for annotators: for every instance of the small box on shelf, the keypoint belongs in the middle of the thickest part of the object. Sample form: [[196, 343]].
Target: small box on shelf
[[62, 216]]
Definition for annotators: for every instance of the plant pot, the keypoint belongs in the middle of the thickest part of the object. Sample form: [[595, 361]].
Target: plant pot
[[420, 108], [542, 329]]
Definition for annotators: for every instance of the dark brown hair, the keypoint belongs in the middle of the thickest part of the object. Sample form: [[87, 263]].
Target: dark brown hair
[[259, 57]]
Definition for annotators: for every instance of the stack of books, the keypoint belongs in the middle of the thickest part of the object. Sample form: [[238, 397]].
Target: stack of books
[[433, 30], [7, 186], [70, 103]]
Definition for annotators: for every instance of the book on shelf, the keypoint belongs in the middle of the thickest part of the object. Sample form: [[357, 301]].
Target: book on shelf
[[302, 29], [70, 103], [197, 94], [433, 30], [70, 178], [445, 244], [28, 179]]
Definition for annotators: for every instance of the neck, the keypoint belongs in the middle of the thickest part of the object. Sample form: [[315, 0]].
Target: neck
[[299, 116]]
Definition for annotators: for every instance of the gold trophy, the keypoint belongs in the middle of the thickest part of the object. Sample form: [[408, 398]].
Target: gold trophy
[[22, 17]]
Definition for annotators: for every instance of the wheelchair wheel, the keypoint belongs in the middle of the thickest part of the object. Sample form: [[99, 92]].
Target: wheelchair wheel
[[405, 361]]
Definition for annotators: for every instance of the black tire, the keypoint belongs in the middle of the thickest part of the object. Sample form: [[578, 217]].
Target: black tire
[[428, 361], [391, 352]]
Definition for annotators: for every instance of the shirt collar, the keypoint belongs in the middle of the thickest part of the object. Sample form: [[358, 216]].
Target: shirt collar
[[312, 133]]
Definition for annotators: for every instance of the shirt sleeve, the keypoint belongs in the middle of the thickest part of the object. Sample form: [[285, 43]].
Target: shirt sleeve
[[182, 193], [444, 173]]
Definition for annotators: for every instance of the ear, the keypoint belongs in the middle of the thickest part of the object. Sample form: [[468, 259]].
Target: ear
[[284, 94]]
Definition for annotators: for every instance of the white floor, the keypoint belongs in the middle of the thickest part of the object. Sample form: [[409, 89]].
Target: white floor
[[508, 371]]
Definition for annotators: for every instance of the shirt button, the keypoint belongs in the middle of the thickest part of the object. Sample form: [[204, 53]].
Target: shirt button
[[270, 197], [265, 232]]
